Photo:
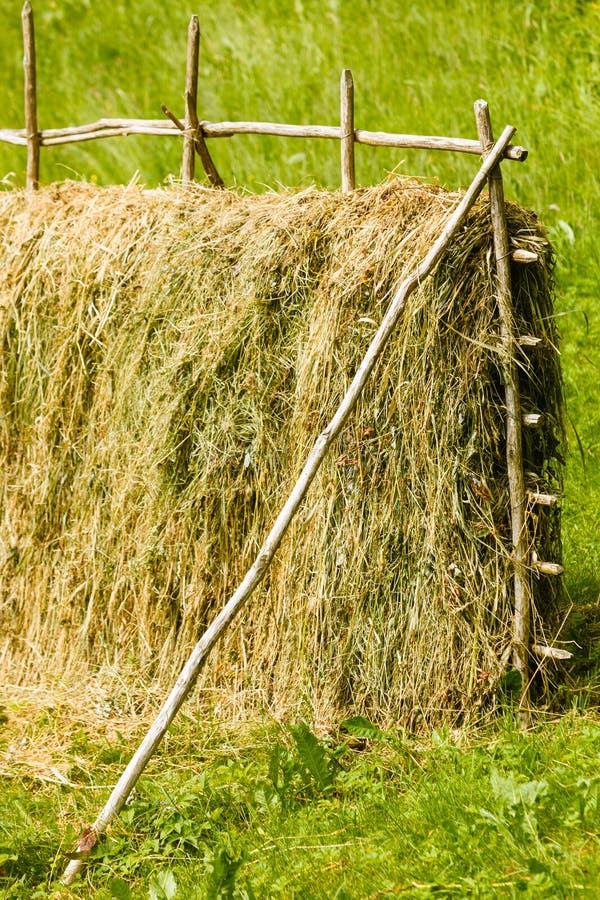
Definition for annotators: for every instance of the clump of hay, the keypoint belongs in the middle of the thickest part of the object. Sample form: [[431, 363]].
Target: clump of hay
[[168, 358]]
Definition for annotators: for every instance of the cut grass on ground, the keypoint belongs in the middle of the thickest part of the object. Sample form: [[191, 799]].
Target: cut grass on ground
[[277, 812]]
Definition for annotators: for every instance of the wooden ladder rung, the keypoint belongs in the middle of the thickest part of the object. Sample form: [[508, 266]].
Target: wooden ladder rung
[[547, 568], [542, 499], [533, 420], [524, 256], [528, 340], [551, 652]]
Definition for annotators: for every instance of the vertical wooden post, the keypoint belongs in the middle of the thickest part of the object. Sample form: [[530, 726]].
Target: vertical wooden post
[[347, 130], [31, 126], [191, 101], [514, 452]]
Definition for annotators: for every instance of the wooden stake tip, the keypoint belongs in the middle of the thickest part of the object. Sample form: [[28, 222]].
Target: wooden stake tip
[[524, 256]]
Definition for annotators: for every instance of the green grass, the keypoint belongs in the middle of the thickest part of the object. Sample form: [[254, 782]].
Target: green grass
[[285, 814], [508, 816]]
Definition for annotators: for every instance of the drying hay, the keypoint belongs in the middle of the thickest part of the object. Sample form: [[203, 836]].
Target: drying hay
[[169, 358]]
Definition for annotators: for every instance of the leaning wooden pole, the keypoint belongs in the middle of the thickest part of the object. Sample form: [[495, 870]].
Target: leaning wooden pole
[[190, 672], [347, 130], [188, 167], [514, 452], [31, 124]]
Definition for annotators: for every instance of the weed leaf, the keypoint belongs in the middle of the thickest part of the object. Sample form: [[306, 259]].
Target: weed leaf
[[222, 868], [313, 757], [119, 889], [163, 886], [360, 727]]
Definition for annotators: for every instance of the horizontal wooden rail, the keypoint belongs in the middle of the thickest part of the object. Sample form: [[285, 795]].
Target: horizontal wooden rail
[[426, 142], [13, 136], [104, 128]]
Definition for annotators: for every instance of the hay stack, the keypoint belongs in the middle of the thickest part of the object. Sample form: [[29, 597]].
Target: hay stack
[[168, 359]]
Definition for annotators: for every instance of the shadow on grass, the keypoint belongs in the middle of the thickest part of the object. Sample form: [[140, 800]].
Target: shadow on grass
[[582, 676], [26, 866]]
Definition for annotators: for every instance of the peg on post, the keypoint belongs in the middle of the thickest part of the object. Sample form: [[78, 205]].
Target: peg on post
[[524, 256], [533, 420], [547, 568], [528, 340], [542, 499]]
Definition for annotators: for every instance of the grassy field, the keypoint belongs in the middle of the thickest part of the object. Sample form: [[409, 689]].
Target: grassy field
[[278, 813]]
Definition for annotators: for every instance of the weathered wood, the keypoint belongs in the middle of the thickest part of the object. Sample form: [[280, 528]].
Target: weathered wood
[[188, 167], [194, 138], [533, 420], [201, 148], [371, 138], [524, 256], [228, 129], [120, 131], [547, 568], [257, 571], [13, 136], [171, 115], [514, 452], [551, 652], [31, 123], [528, 340], [347, 130], [542, 499], [429, 142], [153, 124]]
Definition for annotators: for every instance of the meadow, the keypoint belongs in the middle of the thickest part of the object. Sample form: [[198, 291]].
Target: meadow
[[268, 810]]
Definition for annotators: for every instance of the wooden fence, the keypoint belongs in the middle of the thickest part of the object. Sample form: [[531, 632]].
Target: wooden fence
[[194, 132]]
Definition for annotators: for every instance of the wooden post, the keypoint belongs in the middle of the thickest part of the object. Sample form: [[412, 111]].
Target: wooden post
[[347, 130], [31, 125], [191, 101], [201, 149], [259, 568], [514, 452]]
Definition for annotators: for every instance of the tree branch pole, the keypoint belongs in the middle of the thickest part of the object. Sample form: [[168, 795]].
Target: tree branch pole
[[514, 451], [347, 130], [201, 149], [188, 167], [124, 127], [190, 671], [31, 124]]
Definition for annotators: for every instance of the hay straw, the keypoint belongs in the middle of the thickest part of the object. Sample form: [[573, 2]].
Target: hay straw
[[168, 358]]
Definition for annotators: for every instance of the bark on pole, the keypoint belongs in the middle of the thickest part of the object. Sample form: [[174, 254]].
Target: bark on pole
[[191, 101], [347, 130], [192, 668], [31, 124], [514, 451], [122, 127]]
